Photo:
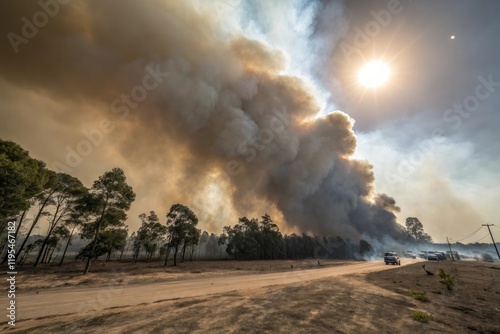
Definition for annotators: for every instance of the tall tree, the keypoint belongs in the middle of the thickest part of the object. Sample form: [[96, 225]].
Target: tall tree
[[181, 222], [68, 190], [21, 178], [72, 225], [191, 240], [108, 241], [44, 200], [149, 236], [105, 206], [415, 229], [19, 224], [59, 233], [252, 239], [273, 245], [212, 248], [116, 239]]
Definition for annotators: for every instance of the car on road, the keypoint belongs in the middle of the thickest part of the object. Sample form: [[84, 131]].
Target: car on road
[[441, 256], [410, 255], [423, 255], [432, 257], [392, 257]]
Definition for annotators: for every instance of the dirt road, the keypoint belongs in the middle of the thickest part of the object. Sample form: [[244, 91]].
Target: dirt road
[[75, 300]]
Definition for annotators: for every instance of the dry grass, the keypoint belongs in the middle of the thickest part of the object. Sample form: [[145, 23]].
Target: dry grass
[[419, 295], [472, 304], [349, 304], [421, 316]]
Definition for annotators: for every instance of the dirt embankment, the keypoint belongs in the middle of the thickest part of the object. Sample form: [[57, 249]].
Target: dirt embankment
[[463, 298], [401, 300]]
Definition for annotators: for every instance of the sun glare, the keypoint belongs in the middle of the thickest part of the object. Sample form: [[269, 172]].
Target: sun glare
[[373, 74]]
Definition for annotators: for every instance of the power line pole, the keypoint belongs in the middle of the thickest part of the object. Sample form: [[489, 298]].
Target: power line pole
[[451, 252], [494, 244]]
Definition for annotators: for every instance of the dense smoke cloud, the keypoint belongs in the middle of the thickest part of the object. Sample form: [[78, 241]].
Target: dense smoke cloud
[[215, 106]]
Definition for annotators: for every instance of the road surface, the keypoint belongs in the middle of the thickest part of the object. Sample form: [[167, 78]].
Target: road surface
[[69, 300]]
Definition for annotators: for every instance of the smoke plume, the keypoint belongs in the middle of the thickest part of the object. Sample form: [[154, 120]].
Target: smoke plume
[[209, 99]]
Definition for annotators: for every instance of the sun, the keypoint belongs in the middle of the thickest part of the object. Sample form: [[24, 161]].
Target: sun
[[374, 74]]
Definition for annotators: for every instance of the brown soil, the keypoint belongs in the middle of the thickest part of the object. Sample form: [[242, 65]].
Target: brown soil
[[375, 302], [472, 304]]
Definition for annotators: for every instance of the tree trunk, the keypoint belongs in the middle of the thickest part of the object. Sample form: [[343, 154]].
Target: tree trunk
[[55, 257], [51, 254], [3, 247], [3, 225], [183, 252], [47, 249], [26, 255], [66, 248], [121, 254], [52, 224], [23, 258], [136, 255], [91, 255], [37, 217], [193, 250], [175, 255], [46, 256], [104, 207], [41, 250], [87, 265], [166, 256]]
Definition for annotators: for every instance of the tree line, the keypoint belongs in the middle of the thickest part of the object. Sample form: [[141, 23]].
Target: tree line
[[98, 214]]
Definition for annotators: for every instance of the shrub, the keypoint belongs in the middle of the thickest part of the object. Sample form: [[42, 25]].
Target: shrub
[[421, 316], [446, 279], [419, 295]]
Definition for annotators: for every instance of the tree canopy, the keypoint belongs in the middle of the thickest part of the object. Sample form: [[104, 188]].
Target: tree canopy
[[181, 227], [415, 229], [149, 236], [66, 190], [253, 239], [105, 206], [21, 178]]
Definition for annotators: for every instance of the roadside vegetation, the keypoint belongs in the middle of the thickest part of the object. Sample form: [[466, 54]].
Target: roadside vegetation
[[421, 316], [446, 279], [419, 295]]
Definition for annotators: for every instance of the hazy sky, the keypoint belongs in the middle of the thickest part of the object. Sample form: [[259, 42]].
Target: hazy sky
[[172, 91], [452, 184]]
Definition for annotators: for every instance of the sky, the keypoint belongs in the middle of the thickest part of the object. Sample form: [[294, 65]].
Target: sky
[[451, 182], [245, 107]]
